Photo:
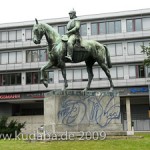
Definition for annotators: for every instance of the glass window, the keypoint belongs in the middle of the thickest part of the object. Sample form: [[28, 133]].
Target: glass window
[[84, 74], [35, 56], [4, 36], [11, 36], [132, 72], [28, 78], [129, 26], [60, 77], [4, 58], [140, 70], [61, 30], [19, 35], [6, 79], [42, 55], [94, 29], [110, 27], [18, 78], [138, 24], [113, 72], [148, 72], [146, 23], [51, 77], [102, 28], [28, 34], [77, 74], [69, 74], [138, 48], [19, 57], [111, 48], [96, 73], [131, 48], [120, 73], [117, 26], [83, 30], [28, 56], [12, 57], [32, 77], [119, 51]]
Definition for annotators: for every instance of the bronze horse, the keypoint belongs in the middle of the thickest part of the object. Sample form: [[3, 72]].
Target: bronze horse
[[89, 51]]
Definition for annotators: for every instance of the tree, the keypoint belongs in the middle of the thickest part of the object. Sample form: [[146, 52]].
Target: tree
[[146, 50]]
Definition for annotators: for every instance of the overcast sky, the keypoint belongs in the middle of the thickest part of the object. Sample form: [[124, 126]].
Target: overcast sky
[[27, 10]]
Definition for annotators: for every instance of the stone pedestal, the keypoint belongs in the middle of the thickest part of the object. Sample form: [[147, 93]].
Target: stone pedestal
[[75, 112]]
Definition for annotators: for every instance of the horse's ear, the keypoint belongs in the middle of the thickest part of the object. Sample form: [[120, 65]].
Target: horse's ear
[[36, 21]]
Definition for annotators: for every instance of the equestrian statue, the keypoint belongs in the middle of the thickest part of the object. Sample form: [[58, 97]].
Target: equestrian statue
[[71, 48]]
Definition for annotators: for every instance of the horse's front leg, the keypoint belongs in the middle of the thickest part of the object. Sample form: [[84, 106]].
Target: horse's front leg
[[43, 73], [63, 70]]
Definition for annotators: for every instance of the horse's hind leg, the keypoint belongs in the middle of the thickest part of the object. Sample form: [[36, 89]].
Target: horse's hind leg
[[107, 72], [63, 70], [89, 65]]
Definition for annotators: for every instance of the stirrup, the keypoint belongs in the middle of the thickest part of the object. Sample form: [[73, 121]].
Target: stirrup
[[68, 58]]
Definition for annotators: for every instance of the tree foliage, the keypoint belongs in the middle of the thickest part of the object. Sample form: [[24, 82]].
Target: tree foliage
[[146, 50]]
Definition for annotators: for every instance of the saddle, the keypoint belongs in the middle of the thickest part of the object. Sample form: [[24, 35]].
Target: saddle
[[79, 51]]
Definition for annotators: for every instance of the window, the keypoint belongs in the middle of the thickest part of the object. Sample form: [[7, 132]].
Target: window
[[69, 73], [4, 58], [94, 28], [134, 48], [42, 55], [10, 79], [84, 75], [11, 57], [146, 23], [51, 77], [77, 74], [4, 36], [62, 30], [28, 34], [32, 78], [11, 36], [134, 25], [137, 71], [108, 27], [115, 49], [102, 28], [83, 30], [36, 55]]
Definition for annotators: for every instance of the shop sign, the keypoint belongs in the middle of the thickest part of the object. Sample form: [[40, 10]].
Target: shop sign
[[138, 90], [10, 96]]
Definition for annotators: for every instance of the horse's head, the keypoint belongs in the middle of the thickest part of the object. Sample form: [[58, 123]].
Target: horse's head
[[38, 32]]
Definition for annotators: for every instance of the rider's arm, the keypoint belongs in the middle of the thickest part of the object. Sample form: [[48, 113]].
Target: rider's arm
[[76, 28]]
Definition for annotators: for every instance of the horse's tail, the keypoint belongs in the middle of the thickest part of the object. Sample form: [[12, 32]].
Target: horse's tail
[[108, 58]]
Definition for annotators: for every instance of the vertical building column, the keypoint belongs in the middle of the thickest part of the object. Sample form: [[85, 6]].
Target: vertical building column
[[128, 111]]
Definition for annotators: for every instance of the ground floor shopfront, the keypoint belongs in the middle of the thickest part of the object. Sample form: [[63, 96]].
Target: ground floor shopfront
[[29, 107]]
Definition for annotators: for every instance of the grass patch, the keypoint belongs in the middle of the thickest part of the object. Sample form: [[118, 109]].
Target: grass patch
[[110, 144]]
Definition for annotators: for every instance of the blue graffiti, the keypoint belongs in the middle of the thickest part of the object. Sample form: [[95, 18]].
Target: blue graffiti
[[94, 109], [71, 111]]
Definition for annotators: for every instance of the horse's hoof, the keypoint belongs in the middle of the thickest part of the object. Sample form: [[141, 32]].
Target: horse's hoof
[[45, 83], [111, 89]]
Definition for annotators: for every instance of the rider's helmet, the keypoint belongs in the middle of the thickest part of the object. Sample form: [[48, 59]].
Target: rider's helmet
[[73, 12]]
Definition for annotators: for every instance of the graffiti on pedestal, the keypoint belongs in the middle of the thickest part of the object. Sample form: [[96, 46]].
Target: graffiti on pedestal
[[100, 110]]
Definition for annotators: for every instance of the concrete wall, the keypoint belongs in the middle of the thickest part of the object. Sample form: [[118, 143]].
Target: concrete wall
[[82, 113]]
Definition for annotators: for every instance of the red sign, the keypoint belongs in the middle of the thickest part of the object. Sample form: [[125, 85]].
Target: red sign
[[10, 96]]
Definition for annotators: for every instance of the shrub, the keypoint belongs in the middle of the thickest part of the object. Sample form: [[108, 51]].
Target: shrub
[[11, 128]]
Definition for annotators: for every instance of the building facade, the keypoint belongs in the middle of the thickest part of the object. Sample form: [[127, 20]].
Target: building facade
[[22, 94]]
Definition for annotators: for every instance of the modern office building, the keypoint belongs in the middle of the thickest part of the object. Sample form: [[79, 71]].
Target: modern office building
[[22, 94]]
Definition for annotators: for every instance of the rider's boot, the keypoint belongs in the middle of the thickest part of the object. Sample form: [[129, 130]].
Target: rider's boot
[[69, 54]]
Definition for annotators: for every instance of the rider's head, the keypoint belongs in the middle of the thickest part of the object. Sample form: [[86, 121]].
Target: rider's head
[[72, 14]]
